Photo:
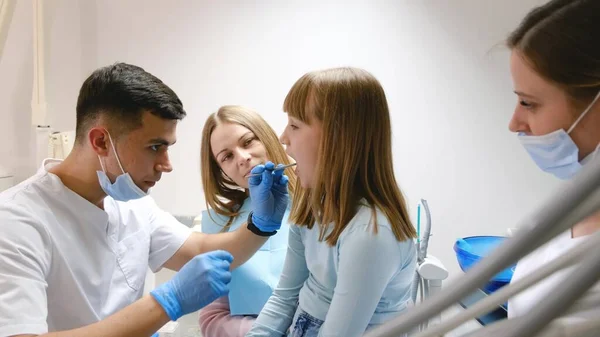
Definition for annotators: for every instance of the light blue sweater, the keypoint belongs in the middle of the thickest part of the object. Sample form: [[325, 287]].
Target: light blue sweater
[[362, 281]]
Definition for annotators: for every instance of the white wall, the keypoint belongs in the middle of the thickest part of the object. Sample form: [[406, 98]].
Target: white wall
[[15, 90], [441, 63], [64, 74]]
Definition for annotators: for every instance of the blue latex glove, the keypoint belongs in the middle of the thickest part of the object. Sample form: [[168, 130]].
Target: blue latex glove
[[199, 282], [269, 195]]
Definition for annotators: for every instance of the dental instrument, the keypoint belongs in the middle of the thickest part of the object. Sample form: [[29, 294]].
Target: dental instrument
[[276, 169]]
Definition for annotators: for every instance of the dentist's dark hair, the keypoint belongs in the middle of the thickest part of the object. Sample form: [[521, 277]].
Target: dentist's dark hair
[[122, 92]]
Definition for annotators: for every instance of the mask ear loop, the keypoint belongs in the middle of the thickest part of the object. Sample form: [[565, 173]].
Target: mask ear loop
[[101, 164], [115, 151], [596, 151], [584, 113]]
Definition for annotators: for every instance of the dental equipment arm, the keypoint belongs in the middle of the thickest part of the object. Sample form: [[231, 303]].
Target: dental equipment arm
[[503, 294], [576, 200], [421, 253], [558, 328], [430, 271], [583, 278]]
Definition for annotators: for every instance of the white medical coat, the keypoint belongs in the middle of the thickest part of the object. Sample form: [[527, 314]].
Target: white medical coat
[[529, 299], [65, 263]]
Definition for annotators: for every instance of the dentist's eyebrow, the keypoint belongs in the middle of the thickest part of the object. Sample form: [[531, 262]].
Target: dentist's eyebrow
[[160, 141]]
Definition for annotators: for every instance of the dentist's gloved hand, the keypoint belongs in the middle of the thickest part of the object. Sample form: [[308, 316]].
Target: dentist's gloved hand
[[199, 282], [269, 195]]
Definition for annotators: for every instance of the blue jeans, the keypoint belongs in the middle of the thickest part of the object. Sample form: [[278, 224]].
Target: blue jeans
[[305, 325]]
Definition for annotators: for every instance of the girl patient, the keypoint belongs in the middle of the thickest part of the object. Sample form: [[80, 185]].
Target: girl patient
[[351, 257]]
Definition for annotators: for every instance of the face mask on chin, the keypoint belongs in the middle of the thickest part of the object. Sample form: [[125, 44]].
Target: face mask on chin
[[123, 189]]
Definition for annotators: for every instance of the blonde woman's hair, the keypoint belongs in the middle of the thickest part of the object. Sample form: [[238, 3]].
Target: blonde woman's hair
[[223, 195], [355, 153]]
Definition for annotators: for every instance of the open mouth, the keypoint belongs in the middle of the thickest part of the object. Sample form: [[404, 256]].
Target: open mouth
[[247, 175]]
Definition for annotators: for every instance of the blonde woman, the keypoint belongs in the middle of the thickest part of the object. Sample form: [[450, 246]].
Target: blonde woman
[[351, 257], [234, 140]]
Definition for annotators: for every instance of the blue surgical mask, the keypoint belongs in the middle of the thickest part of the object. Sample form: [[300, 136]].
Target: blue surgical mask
[[555, 152], [123, 189]]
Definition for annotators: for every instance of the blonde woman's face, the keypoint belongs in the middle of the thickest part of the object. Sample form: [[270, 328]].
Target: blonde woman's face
[[237, 150]]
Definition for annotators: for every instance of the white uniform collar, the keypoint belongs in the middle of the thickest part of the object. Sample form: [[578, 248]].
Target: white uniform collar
[[590, 156]]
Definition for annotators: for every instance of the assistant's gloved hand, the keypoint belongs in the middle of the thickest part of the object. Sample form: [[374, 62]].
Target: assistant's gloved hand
[[199, 282], [269, 196]]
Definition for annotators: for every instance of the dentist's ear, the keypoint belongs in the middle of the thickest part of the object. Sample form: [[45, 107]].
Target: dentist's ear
[[99, 141]]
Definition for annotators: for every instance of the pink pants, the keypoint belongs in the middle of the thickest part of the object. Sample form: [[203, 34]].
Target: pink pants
[[216, 321]]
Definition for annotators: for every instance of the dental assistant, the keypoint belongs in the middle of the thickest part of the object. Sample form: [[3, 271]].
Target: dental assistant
[[555, 66]]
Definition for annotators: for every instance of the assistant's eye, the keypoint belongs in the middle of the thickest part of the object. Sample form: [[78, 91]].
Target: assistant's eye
[[526, 104]]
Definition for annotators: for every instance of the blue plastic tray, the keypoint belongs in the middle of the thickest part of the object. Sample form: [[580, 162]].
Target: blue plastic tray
[[470, 250]]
